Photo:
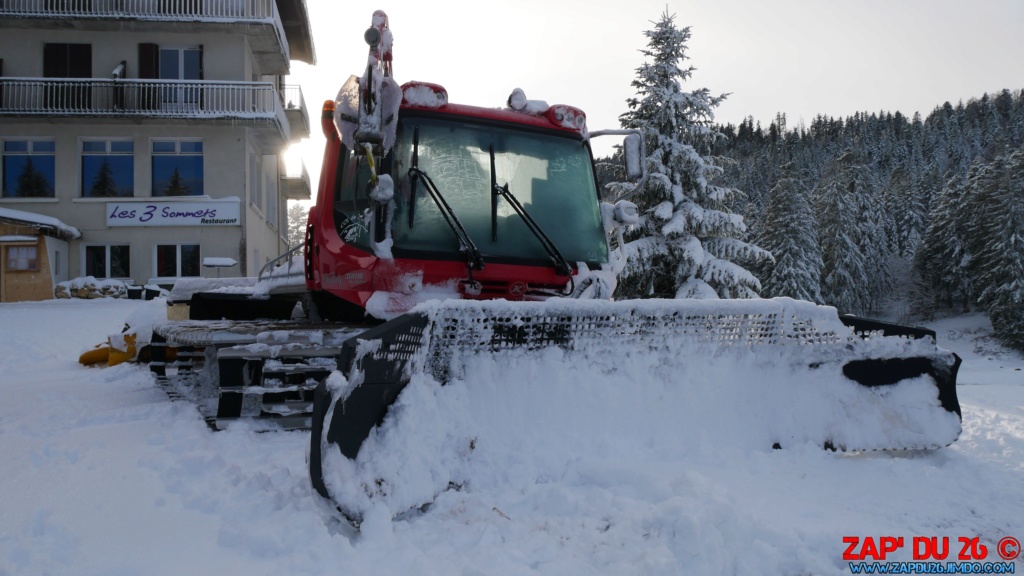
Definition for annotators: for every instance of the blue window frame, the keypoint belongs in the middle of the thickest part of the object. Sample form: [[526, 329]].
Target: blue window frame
[[108, 169], [28, 168], [177, 168]]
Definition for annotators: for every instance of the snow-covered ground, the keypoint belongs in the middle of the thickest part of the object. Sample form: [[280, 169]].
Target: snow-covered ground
[[101, 474]]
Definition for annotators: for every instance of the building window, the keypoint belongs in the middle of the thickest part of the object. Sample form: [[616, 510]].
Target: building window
[[107, 261], [181, 66], [28, 168], [176, 260], [177, 168], [271, 192], [22, 258], [108, 169], [67, 61], [256, 182]]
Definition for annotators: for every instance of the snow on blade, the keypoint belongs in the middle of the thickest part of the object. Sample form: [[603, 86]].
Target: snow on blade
[[636, 381]]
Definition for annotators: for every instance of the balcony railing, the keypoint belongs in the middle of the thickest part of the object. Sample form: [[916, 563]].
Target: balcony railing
[[145, 98], [295, 109], [213, 10], [291, 95], [295, 182], [258, 19]]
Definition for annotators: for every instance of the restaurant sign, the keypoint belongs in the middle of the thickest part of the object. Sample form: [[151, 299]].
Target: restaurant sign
[[203, 213]]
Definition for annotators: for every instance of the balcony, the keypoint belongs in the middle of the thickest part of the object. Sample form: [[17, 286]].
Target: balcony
[[295, 183], [192, 101], [259, 20], [295, 110]]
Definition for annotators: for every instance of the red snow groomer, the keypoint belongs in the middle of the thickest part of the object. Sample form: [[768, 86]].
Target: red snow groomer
[[493, 212], [443, 232]]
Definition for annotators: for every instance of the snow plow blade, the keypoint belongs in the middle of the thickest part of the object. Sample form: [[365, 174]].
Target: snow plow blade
[[773, 373]]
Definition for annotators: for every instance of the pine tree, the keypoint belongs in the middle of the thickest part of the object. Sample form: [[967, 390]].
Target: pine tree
[[297, 216], [876, 239], [986, 186], [175, 185], [855, 268], [32, 183], [996, 244], [103, 184], [942, 257], [906, 202], [688, 242], [1006, 291], [790, 234]]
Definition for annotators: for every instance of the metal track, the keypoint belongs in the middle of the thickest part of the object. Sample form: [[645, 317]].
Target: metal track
[[263, 371]]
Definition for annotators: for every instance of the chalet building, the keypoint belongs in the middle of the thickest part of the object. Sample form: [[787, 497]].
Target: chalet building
[[155, 128]]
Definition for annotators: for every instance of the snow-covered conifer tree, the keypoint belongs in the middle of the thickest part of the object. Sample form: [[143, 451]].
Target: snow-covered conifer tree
[[942, 257], [688, 243], [1006, 293], [906, 201], [790, 234], [996, 232], [855, 275]]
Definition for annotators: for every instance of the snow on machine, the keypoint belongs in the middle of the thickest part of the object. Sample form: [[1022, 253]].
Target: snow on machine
[[468, 247]]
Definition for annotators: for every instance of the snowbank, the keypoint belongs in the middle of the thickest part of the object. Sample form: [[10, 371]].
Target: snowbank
[[85, 448], [90, 287]]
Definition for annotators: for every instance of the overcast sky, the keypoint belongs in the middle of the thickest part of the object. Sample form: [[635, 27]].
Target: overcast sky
[[800, 57]]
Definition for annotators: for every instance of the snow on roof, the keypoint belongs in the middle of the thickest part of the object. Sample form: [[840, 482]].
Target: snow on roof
[[184, 288], [47, 224], [214, 262]]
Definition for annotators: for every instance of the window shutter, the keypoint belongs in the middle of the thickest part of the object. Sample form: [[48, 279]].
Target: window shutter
[[149, 61], [149, 68], [55, 60], [79, 61]]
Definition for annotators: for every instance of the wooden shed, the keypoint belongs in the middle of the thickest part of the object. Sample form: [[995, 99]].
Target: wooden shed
[[33, 255]]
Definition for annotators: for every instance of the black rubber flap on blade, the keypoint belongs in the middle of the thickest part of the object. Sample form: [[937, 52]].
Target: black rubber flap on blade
[[885, 372], [384, 374]]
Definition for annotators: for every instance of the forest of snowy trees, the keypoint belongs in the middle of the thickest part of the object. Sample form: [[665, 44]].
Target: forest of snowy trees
[[901, 215], [875, 214]]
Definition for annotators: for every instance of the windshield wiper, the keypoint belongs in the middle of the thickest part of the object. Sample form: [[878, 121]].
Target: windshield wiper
[[562, 266], [413, 178], [474, 260]]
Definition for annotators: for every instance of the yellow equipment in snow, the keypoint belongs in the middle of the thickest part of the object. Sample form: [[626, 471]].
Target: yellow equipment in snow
[[119, 348]]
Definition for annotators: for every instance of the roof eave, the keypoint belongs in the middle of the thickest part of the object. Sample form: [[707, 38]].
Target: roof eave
[[297, 29]]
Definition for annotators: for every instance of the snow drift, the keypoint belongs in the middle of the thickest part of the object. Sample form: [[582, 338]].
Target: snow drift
[[105, 447], [634, 381]]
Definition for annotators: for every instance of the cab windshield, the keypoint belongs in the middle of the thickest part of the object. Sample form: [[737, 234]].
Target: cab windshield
[[550, 175]]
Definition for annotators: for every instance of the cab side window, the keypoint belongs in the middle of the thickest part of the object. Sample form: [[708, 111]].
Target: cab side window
[[351, 201]]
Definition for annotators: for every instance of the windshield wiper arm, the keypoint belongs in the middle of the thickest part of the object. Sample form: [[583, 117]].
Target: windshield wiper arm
[[475, 260], [562, 266], [413, 177]]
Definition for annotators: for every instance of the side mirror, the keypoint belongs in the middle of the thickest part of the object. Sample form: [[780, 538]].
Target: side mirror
[[635, 156], [626, 213], [631, 151]]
